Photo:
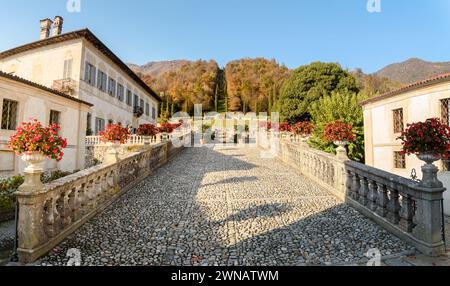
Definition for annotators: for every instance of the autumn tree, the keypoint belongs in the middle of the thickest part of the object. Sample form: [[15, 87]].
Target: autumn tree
[[253, 84]]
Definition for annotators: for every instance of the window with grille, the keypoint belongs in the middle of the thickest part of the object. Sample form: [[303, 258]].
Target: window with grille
[[9, 114], [399, 160], [54, 117], [445, 111], [141, 103], [398, 120], [153, 112]]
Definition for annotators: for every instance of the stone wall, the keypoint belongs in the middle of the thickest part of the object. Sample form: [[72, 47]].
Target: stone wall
[[48, 215]]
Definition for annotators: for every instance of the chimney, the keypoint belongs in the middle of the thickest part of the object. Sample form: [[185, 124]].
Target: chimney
[[57, 26], [46, 25]]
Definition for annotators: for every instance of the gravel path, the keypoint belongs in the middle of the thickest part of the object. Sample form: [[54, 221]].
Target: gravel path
[[226, 207]]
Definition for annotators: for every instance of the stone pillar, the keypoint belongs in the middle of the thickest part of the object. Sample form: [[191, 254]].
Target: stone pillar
[[30, 225], [341, 152], [428, 220]]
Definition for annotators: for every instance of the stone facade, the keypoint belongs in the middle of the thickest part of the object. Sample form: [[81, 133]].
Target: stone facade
[[37, 103], [422, 101]]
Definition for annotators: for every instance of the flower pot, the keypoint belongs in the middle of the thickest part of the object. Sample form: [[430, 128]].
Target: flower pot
[[429, 170], [165, 137], [34, 161]]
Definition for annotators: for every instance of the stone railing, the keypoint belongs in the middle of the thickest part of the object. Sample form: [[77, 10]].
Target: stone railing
[[132, 140], [323, 168], [404, 207], [48, 214]]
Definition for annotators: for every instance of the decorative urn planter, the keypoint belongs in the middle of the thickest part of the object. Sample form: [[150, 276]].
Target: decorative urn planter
[[34, 161], [429, 170], [341, 152], [112, 153], [165, 137]]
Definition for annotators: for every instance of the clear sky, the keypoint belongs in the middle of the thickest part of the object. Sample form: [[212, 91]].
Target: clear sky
[[294, 32]]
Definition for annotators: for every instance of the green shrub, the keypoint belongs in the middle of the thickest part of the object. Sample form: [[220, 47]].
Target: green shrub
[[342, 106], [7, 189]]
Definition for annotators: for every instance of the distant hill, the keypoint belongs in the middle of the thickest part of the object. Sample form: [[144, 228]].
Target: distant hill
[[413, 70], [155, 69]]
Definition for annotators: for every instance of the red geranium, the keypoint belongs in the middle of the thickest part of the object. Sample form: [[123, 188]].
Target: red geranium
[[285, 127], [147, 130], [429, 136], [33, 137], [339, 131], [304, 128], [167, 127], [114, 133]]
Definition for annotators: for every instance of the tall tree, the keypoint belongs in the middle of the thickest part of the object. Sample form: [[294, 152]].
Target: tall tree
[[309, 83]]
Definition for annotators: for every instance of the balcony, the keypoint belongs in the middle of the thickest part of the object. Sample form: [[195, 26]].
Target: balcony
[[138, 111], [66, 86]]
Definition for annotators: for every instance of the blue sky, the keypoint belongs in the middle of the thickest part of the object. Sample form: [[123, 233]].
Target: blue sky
[[294, 32]]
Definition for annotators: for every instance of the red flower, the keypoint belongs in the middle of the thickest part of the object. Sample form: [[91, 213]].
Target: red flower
[[339, 131], [33, 137], [429, 136], [114, 133], [304, 128]]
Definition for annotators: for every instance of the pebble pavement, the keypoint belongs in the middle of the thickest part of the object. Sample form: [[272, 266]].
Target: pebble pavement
[[226, 207]]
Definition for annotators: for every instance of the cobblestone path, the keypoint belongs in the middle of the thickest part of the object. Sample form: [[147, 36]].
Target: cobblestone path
[[226, 206]]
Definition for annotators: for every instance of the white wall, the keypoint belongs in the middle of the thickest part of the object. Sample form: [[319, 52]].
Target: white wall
[[35, 103]]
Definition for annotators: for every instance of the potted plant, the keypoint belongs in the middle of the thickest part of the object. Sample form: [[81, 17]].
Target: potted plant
[[341, 134], [148, 130], [165, 130], [430, 142], [113, 136], [304, 129], [35, 143]]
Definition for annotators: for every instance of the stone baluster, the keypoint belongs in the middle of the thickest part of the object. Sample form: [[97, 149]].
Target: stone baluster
[[364, 190], [383, 200], [393, 206], [356, 186], [372, 195], [407, 213], [349, 184], [49, 218]]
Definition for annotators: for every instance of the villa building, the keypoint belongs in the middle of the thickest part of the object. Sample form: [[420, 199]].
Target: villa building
[[21, 100], [80, 65], [386, 116]]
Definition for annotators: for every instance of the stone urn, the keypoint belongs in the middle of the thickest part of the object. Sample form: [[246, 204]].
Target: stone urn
[[165, 137], [112, 153], [429, 170], [34, 161], [33, 172], [341, 152]]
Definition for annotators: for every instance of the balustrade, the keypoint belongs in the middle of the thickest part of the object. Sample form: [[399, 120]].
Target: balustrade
[[50, 214]]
